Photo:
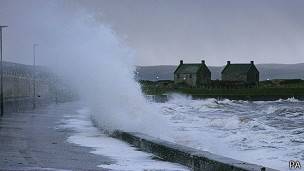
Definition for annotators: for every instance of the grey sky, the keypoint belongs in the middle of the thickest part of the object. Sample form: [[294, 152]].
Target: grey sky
[[164, 31]]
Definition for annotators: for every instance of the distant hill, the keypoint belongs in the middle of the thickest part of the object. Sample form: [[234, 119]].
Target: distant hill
[[267, 71]]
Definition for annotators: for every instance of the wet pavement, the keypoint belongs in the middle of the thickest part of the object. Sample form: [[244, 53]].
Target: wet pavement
[[30, 141]]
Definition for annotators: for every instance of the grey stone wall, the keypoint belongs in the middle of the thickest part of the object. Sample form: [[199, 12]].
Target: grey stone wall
[[186, 78], [196, 160], [253, 76], [15, 86], [204, 78], [234, 77]]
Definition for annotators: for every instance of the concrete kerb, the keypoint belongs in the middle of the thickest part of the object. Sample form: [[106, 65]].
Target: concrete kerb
[[187, 156]]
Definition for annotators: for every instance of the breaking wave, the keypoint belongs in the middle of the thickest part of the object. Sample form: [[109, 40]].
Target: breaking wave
[[89, 55], [265, 132]]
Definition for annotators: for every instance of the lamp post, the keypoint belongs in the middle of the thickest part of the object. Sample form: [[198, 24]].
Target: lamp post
[[1, 79], [34, 75], [56, 89]]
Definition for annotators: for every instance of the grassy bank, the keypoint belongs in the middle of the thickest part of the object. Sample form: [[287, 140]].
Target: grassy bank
[[267, 90]]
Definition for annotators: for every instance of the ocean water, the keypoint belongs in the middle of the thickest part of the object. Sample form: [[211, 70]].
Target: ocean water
[[269, 133]]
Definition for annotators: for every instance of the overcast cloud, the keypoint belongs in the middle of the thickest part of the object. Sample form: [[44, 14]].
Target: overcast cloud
[[165, 31]]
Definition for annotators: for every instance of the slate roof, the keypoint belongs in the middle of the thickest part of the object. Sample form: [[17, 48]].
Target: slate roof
[[190, 68], [237, 68]]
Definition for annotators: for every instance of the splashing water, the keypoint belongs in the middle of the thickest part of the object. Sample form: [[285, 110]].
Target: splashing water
[[91, 56], [267, 133]]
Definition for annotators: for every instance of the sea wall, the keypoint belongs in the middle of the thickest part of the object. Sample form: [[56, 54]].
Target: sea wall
[[24, 104], [21, 81], [195, 159]]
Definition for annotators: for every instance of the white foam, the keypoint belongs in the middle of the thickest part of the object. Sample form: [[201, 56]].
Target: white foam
[[125, 156], [292, 99]]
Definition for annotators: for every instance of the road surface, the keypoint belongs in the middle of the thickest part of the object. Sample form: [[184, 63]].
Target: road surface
[[28, 141]]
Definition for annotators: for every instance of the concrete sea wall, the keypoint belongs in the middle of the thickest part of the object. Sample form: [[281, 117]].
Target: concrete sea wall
[[23, 104], [195, 159], [18, 87]]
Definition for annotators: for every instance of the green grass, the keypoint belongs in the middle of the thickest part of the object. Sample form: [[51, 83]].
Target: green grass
[[264, 91]]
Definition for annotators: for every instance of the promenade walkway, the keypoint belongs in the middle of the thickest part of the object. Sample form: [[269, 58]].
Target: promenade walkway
[[29, 141]]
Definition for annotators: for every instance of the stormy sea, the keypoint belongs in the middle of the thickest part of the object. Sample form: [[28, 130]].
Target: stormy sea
[[268, 133]]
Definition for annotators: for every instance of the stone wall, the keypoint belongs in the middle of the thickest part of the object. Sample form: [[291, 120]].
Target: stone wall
[[18, 87], [197, 160], [188, 79]]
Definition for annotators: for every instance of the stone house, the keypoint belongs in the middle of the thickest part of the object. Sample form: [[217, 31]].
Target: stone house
[[246, 73], [192, 74]]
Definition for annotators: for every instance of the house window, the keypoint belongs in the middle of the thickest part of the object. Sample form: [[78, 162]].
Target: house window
[[177, 75], [190, 76]]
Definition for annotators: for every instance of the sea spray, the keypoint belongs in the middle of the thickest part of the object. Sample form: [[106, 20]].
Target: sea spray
[[92, 57]]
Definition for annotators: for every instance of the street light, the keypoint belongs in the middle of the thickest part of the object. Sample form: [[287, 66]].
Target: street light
[[34, 75], [1, 79], [56, 89]]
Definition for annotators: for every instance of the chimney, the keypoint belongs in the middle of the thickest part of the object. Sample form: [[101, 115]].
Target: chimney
[[251, 62], [181, 62], [203, 62], [228, 62]]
